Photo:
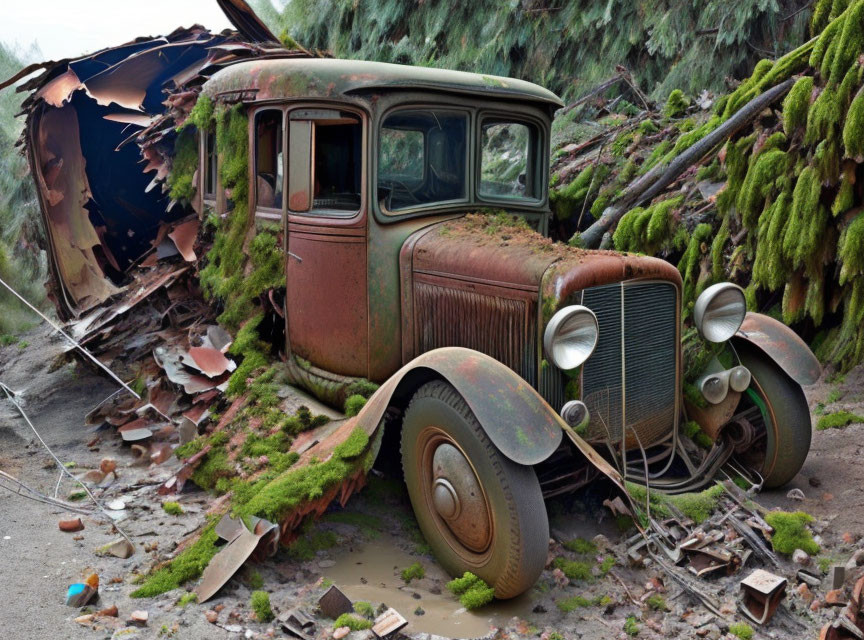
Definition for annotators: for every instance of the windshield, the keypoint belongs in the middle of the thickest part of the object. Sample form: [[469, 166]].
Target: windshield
[[422, 158]]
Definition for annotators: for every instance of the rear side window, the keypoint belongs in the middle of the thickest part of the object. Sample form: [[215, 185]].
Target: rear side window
[[269, 165], [508, 162], [422, 158]]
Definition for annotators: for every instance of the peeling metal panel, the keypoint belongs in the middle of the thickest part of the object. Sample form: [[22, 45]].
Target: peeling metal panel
[[516, 418], [64, 190], [782, 345]]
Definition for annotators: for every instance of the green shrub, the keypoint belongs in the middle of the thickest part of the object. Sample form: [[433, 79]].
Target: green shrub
[[364, 609], [260, 603], [414, 572], [630, 627]]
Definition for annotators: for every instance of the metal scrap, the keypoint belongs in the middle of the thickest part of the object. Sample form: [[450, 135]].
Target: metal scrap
[[334, 603], [761, 595], [388, 623], [242, 543]]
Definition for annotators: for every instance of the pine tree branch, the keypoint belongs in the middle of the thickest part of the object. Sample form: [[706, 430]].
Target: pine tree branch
[[652, 183]]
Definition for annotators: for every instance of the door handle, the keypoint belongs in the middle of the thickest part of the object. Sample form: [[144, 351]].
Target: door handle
[[295, 256]]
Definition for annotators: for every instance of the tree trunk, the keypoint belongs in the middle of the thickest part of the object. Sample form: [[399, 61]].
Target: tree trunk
[[647, 187]]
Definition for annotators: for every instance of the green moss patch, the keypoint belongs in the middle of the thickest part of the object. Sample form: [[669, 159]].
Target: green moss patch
[[172, 508], [352, 622], [696, 506], [741, 630], [188, 565], [838, 420], [260, 604], [472, 591], [790, 532]]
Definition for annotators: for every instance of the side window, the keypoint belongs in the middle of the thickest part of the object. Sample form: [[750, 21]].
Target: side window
[[210, 166], [269, 165], [508, 163], [325, 162]]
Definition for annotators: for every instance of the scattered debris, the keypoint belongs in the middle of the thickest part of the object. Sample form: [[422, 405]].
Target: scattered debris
[[138, 618], [334, 603], [388, 623], [80, 593], [762, 592], [71, 526]]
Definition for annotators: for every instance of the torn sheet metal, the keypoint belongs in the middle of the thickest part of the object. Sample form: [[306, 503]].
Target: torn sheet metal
[[211, 362], [183, 236], [242, 543]]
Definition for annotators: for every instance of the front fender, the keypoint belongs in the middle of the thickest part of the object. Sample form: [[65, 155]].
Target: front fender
[[514, 416], [782, 345]]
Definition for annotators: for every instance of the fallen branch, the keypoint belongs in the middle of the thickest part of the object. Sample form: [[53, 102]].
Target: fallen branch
[[611, 82], [655, 181]]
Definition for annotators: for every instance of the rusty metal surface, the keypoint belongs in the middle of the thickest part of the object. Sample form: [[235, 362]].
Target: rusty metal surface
[[226, 563], [331, 78], [761, 595], [714, 417], [327, 313], [455, 491], [782, 345], [516, 418]]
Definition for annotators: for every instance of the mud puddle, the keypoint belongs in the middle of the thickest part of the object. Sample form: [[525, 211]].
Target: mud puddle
[[372, 573]]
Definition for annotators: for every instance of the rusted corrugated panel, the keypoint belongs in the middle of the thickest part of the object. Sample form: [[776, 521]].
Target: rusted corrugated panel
[[461, 314]]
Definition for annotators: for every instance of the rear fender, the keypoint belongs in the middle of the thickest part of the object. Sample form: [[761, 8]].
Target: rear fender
[[782, 345], [514, 416]]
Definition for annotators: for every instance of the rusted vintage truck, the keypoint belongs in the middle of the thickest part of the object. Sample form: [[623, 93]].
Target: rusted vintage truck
[[413, 203], [484, 334]]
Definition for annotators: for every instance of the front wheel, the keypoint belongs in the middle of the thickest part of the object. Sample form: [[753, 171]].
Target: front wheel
[[785, 414], [478, 510]]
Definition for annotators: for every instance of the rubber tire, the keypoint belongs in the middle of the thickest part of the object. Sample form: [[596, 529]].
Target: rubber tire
[[520, 526], [793, 427]]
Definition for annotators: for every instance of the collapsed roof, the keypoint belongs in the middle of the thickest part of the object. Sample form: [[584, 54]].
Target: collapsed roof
[[103, 197]]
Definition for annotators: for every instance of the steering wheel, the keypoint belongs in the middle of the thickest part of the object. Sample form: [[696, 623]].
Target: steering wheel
[[393, 183]]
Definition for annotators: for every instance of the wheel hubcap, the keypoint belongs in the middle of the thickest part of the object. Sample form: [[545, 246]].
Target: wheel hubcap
[[458, 497]]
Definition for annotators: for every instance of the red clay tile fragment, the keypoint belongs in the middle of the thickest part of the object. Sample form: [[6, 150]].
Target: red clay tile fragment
[[71, 526]]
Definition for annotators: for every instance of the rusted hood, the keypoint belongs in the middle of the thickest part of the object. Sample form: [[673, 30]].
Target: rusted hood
[[483, 249]]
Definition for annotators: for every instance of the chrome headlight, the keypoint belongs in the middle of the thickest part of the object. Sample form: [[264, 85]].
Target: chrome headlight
[[719, 311], [571, 336]]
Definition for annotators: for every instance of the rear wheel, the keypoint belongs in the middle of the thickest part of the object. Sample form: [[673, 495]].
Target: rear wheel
[[783, 408], [478, 510]]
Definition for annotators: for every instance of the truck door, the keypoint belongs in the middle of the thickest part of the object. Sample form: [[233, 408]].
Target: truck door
[[326, 297]]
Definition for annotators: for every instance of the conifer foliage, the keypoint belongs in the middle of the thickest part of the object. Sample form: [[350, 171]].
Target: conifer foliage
[[568, 46]]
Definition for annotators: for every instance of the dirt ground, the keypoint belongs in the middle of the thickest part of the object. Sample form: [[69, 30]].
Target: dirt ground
[[361, 549]]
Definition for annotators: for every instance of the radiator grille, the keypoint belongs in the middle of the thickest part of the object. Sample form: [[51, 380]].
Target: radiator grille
[[631, 376], [500, 327]]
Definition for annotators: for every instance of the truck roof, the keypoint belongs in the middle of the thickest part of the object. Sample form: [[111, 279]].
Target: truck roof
[[278, 78]]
